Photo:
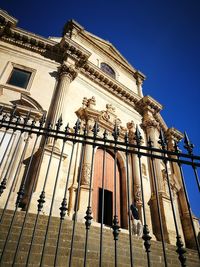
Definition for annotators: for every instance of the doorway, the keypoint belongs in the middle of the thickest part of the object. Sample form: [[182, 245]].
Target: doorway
[[107, 207], [108, 182]]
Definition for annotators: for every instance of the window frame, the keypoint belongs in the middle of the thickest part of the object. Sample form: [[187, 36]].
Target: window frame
[[8, 72], [114, 72], [22, 71]]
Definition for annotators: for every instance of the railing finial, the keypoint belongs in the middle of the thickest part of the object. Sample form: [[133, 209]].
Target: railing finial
[[138, 136]]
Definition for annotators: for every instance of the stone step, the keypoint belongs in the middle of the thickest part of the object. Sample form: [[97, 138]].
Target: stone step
[[108, 255]]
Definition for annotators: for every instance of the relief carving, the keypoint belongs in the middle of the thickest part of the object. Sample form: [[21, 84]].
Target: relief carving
[[69, 71], [138, 194], [131, 131], [86, 174], [89, 102]]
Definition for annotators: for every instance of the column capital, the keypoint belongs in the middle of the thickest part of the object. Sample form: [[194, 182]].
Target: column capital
[[149, 122], [69, 71]]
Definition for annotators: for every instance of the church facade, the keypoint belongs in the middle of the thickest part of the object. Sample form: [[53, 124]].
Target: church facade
[[79, 75]]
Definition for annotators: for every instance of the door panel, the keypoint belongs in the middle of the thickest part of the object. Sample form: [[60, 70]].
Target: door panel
[[108, 184]]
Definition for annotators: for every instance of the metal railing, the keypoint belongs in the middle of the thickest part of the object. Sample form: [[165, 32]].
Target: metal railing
[[31, 135]]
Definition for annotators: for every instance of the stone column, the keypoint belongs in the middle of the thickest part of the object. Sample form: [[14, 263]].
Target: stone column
[[66, 75], [150, 126]]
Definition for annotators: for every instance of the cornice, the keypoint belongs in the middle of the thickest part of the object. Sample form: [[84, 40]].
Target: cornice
[[175, 134], [149, 103], [6, 19], [31, 42], [111, 85], [73, 50]]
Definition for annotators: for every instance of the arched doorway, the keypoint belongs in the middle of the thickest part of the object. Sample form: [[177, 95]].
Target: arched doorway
[[108, 189]]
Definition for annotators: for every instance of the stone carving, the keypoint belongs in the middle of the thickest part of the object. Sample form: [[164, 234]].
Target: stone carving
[[138, 194], [84, 102], [131, 131], [86, 174], [69, 71], [105, 116], [149, 122], [109, 115], [110, 108], [89, 102]]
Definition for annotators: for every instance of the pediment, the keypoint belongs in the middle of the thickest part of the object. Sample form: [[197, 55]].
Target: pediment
[[109, 48]]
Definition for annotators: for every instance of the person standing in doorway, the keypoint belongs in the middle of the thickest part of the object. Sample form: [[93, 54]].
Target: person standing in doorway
[[137, 228]]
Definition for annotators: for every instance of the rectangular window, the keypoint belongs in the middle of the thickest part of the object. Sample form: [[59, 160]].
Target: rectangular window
[[19, 78]]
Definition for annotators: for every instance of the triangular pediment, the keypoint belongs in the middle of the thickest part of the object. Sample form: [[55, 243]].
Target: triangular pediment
[[109, 48], [73, 28]]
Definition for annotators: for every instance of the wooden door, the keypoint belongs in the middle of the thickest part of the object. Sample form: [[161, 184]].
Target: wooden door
[[108, 187]]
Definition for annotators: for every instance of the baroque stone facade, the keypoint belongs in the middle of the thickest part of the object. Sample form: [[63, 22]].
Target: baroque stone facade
[[70, 76]]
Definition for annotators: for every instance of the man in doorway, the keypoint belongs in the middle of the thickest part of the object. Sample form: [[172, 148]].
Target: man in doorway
[[137, 228]]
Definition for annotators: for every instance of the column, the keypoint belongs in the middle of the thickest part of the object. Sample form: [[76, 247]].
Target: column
[[150, 126], [66, 75]]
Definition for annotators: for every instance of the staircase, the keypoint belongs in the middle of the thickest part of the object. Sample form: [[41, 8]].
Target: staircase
[[139, 255]]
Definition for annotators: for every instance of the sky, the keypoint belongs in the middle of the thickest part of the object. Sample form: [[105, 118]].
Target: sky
[[161, 38]]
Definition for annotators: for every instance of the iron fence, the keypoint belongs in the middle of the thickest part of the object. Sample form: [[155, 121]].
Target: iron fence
[[23, 135]]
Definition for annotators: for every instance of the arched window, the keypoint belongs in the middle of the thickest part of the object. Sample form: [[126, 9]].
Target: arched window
[[107, 69]]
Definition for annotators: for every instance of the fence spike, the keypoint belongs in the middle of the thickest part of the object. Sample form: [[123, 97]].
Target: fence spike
[[188, 145], [126, 137], [105, 134], [77, 127], [162, 140], [138, 136], [67, 128], [42, 120], [59, 123], [176, 147], [115, 132], [95, 129]]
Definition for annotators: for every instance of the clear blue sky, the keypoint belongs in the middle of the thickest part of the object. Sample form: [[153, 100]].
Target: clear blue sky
[[159, 37]]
